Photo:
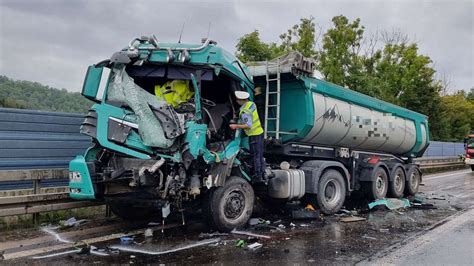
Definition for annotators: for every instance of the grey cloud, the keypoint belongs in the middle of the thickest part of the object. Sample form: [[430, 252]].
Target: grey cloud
[[53, 41]]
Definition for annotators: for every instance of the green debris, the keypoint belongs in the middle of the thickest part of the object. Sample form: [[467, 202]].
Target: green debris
[[392, 204]]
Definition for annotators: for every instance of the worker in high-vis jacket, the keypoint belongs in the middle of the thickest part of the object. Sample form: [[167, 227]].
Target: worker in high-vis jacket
[[250, 123]]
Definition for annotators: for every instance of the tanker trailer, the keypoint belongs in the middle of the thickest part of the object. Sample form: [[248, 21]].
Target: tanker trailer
[[342, 140], [161, 141]]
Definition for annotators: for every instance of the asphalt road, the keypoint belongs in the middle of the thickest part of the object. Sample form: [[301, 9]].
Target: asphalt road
[[327, 241]]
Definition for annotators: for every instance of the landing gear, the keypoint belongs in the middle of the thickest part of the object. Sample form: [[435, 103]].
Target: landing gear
[[230, 206]]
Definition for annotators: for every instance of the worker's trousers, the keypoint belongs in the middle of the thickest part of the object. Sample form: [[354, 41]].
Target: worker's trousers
[[256, 150]]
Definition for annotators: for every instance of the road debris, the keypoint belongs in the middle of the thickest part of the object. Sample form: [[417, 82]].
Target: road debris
[[148, 233], [351, 219], [57, 254], [240, 243], [425, 206], [369, 237], [72, 222], [254, 246], [391, 204], [126, 240], [155, 253], [238, 232], [257, 221], [211, 235]]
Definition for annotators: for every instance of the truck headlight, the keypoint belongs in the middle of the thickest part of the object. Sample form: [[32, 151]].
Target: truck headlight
[[75, 177]]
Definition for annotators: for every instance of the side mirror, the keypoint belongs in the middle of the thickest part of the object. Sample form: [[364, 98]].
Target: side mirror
[[92, 83]]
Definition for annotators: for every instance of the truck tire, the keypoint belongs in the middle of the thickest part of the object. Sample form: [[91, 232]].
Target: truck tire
[[377, 189], [396, 186], [130, 213], [413, 181], [331, 192], [231, 205]]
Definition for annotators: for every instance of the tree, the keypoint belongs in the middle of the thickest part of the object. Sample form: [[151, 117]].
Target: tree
[[339, 60], [251, 48], [470, 95], [459, 112], [300, 37]]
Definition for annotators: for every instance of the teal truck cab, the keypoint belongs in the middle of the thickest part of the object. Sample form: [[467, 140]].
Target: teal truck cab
[[162, 141]]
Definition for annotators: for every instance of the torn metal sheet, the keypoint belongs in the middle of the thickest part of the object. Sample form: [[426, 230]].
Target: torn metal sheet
[[392, 204], [237, 232], [149, 252]]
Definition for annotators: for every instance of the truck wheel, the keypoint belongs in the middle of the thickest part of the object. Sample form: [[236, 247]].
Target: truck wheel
[[377, 189], [331, 192], [413, 181], [397, 184], [130, 213], [231, 205]]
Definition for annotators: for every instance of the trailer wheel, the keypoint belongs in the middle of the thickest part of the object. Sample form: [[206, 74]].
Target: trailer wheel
[[231, 205], [397, 184], [377, 189], [413, 181], [331, 192]]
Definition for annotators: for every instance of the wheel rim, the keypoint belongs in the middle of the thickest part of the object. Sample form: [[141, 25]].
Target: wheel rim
[[234, 204], [398, 182], [380, 185], [332, 192], [414, 181]]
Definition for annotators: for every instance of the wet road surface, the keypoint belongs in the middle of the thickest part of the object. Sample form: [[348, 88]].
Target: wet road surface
[[324, 241]]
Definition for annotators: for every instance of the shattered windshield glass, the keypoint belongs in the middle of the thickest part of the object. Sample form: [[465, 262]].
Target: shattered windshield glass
[[158, 123]]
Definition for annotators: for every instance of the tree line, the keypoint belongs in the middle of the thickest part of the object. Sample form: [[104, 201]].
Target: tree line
[[385, 65], [33, 95]]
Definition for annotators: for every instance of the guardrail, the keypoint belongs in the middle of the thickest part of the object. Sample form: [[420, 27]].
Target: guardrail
[[38, 202], [439, 162]]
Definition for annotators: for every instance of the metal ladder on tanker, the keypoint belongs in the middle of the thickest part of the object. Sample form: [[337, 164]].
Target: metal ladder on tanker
[[272, 111]]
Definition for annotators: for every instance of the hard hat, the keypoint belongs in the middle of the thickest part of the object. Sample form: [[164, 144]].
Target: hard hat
[[242, 95]]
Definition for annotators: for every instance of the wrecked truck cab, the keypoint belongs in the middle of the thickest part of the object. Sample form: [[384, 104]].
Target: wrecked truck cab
[[161, 135]]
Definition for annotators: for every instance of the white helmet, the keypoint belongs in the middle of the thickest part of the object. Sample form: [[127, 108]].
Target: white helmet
[[242, 95]]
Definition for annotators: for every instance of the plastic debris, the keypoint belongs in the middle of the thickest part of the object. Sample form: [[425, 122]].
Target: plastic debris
[[126, 240], [73, 222], [238, 232], [392, 204], [148, 252], [254, 246], [352, 219], [148, 233], [240, 243], [292, 224], [257, 221], [281, 226], [310, 207]]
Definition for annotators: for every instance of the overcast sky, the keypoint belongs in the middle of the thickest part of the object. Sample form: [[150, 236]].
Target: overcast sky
[[53, 42]]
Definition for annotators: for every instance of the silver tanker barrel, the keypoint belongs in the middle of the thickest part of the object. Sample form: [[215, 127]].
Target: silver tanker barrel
[[317, 112]]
